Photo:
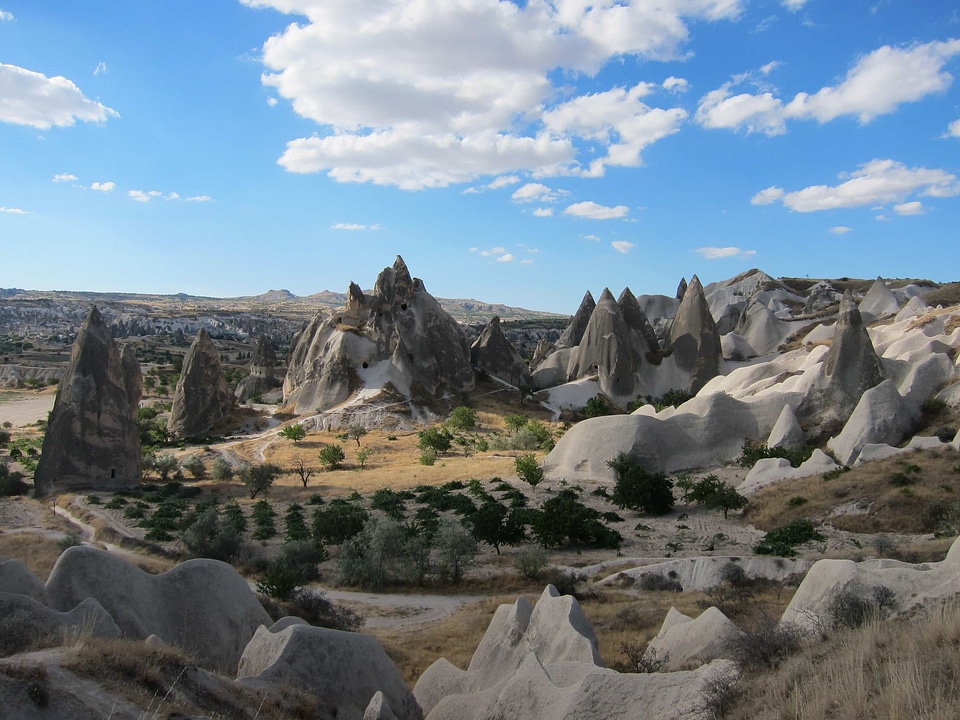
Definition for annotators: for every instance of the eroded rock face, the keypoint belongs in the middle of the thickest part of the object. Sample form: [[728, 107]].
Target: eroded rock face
[[493, 353], [133, 377], [399, 335], [202, 398], [91, 439], [694, 337], [261, 378], [607, 350], [852, 365], [574, 331]]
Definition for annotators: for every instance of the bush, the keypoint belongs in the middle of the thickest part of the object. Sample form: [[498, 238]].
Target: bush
[[428, 457], [637, 489], [263, 516], [208, 537], [752, 452], [782, 540], [314, 607], [493, 523], [462, 418], [456, 550], [221, 470], [566, 582], [371, 559], [530, 561], [596, 406], [390, 502], [12, 483], [528, 469], [294, 432], [259, 478], [764, 643], [563, 519], [853, 606], [297, 530], [332, 456], [339, 522], [714, 494], [655, 582], [194, 465]]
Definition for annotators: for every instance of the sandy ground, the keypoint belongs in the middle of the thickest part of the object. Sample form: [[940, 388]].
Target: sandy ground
[[25, 408], [400, 612]]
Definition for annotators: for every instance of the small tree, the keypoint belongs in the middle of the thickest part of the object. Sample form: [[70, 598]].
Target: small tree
[[259, 478], [294, 432], [339, 522], [263, 516], [194, 465], [638, 489], [714, 494], [436, 439], [495, 525], [514, 422], [332, 456], [165, 464], [363, 454], [297, 530], [356, 432], [456, 550], [528, 469], [302, 471], [462, 418], [221, 470]]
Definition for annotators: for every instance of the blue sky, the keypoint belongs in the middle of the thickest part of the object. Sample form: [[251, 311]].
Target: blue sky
[[512, 152]]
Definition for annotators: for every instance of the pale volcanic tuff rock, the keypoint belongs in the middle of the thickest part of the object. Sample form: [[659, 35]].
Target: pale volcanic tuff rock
[[201, 606], [262, 378], [879, 301], [132, 376], [87, 616], [573, 333], [694, 337], [91, 439], [493, 353], [201, 398], [398, 334]]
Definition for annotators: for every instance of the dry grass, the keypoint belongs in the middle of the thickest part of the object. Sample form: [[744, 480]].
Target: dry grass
[[907, 670], [37, 552], [865, 499]]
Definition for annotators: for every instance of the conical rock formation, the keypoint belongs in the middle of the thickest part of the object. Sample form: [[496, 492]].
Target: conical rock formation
[[573, 333], [694, 337], [91, 438], [201, 398], [606, 350], [261, 378], [852, 366], [132, 376], [493, 353]]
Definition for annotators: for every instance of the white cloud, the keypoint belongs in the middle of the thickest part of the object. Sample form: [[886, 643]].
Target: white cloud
[[769, 67], [675, 84], [881, 218], [543, 212], [498, 250], [64, 177], [876, 85], [593, 211], [953, 129], [909, 208], [103, 187], [720, 253], [13, 211], [173, 196], [32, 99], [200, 198], [354, 226], [425, 94], [505, 258], [100, 69], [535, 192], [621, 246], [840, 230], [793, 5], [878, 182], [526, 261], [594, 238], [141, 196], [6, 16], [503, 181], [767, 196], [272, 101]]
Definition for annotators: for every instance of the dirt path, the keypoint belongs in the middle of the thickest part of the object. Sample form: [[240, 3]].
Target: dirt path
[[25, 409], [400, 612]]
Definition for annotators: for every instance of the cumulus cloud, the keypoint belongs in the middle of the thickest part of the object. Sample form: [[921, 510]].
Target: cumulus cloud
[[909, 208], [503, 181], [5, 16], [141, 196], [65, 177], [100, 69], [593, 238], [877, 84], [793, 5], [543, 212], [720, 253], [421, 95], [953, 129], [621, 246], [878, 182], [675, 84], [272, 101], [505, 258], [840, 230], [13, 211], [104, 187], [767, 196], [353, 226], [593, 211], [535, 192], [33, 99]]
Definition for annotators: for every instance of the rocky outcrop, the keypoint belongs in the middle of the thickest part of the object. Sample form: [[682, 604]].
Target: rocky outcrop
[[878, 302], [681, 289], [87, 617], [493, 353], [573, 333], [344, 671], [787, 433], [201, 399], [881, 416], [91, 438], [643, 339], [202, 606], [852, 366], [132, 376], [262, 378], [684, 642], [607, 351], [399, 335], [541, 664], [694, 338]]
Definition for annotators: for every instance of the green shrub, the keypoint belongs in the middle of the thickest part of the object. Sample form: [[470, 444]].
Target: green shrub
[[462, 418], [782, 540], [339, 522], [428, 457], [530, 561], [563, 519], [596, 406], [753, 451], [637, 489], [528, 469], [332, 456], [221, 470]]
